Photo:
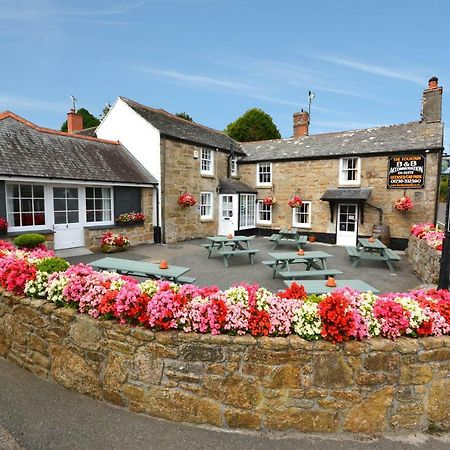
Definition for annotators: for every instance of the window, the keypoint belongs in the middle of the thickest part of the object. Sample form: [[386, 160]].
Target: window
[[264, 174], [25, 204], [98, 204], [206, 205], [302, 216], [233, 166], [207, 162], [264, 213], [247, 211], [349, 171]]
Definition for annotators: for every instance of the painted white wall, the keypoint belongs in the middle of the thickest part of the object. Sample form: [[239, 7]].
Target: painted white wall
[[140, 138]]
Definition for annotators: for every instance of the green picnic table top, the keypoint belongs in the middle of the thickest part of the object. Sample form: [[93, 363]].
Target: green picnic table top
[[288, 256], [221, 239], [126, 266], [368, 245], [319, 286]]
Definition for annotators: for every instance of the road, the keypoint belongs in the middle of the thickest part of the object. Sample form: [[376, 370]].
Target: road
[[36, 414]]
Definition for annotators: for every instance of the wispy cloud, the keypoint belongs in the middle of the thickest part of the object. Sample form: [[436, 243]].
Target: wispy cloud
[[8, 102], [410, 75]]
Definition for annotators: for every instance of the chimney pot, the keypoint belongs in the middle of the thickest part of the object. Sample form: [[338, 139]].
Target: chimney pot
[[74, 121], [433, 83], [301, 123]]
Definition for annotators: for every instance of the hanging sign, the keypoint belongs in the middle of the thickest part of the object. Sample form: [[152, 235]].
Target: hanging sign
[[406, 172]]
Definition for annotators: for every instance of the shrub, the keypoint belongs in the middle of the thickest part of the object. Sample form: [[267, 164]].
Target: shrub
[[51, 265], [29, 240]]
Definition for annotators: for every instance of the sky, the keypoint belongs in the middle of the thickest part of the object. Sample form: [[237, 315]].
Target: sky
[[366, 61]]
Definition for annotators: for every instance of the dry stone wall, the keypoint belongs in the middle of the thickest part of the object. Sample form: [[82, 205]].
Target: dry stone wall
[[426, 261], [234, 382]]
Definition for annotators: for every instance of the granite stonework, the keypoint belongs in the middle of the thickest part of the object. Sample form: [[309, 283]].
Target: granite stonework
[[182, 174], [234, 382], [425, 260], [137, 234], [311, 178]]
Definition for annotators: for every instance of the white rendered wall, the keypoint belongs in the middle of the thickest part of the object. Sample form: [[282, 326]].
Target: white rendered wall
[[140, 138]]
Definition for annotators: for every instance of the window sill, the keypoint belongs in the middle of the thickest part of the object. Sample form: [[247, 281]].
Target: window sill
[[206, 219], [264, 224], [13, 233], [264, 186], [356, 185], [301, 226], [207, 175]]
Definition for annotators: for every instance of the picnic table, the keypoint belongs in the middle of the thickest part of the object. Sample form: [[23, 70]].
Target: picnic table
[[283, 260], [372, 250], [143, 269], [319, 287], [230, 246], [288, 235]]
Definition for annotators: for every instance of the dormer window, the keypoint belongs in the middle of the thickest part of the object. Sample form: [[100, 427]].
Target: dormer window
[[350, 171]]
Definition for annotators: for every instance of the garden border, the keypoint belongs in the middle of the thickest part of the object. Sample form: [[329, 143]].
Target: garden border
[[267, 383]]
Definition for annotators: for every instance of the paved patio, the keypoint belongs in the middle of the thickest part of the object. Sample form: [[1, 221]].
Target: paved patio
[[213, 272]]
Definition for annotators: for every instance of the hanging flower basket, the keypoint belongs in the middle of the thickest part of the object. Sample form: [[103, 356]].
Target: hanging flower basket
[[3, 225], [186, 200], [403, 204], [295, 202], [269, 200]]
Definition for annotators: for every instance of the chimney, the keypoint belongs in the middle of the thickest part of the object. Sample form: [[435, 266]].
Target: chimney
[[74, 121], [432, 102], [301, 123]]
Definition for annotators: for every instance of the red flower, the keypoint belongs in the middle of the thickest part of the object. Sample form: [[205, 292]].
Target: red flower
[[3, 224], [295, 202], [403, 204], [259, 322], [294, 291], [186, 200]]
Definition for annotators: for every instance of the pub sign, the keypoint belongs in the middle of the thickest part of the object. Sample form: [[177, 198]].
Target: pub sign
[[406, 172]]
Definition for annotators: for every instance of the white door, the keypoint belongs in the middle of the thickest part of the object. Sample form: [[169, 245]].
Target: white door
[[228, 214], [247, 211], [347, 224], [66, 215]]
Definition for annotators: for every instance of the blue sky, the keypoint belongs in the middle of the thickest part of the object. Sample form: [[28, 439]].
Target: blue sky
[[367, 61]]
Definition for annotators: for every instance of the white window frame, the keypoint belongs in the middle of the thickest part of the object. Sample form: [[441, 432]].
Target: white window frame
[[207, 156], [104, 222], [259, 209], [11, 227], [233, 166], [343, 172], [205, 205], [295, 223], [263, 183]]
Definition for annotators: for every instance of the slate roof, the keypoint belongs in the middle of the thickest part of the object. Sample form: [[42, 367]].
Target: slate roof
[[229, 186], [30, 151], [173, 126], [387, 139], [87, 132], [355, 194]]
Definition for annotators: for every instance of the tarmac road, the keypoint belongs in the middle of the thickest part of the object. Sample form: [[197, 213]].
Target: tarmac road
[[37, 414]]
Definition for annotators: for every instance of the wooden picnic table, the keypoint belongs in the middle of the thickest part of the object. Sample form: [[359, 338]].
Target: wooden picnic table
[[145, 269], [289, 235], [319, 287], [316, 259], [375, 250], [230, 246]]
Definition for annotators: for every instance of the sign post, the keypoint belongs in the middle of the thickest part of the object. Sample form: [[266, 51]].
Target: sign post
[[444, 272]]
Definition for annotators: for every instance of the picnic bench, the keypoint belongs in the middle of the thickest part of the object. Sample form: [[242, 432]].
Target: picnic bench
[[372, 250], [230, 246], [319, 287], [283, 260], [227, 254], [143, 269], [301, 274], [290, 236]]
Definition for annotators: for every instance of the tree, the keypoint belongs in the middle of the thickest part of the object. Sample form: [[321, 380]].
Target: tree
[[254, 125], [89, 120], [185, 116]]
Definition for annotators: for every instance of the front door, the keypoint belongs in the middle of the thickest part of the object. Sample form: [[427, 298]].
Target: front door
[[347, 224], [228, 214], [66, 214]]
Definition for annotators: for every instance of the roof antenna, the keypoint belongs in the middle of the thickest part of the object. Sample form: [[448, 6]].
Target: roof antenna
[[74, 101], [311, 95]]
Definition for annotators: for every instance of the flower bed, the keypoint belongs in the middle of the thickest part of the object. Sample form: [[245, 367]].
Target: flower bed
[[241, 309]]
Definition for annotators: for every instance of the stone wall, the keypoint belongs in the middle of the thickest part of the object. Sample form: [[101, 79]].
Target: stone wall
[[182, 174], [310, 179], [426, 261], [137, 234], [234, 382]]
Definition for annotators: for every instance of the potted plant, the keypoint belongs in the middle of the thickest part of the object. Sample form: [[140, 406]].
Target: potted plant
[[186, 200], [403, 204], [113, 242], [269, 200], [130, 218], [3, 225], [295, 201]]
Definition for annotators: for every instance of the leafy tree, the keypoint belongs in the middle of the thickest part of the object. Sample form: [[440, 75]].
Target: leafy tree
[[185, 116], [89, 120], [254, 125], [105, 110]]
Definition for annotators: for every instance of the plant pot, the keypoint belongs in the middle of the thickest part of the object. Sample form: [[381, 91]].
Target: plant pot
[[129, 224], [312, 239], [113, 248]]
